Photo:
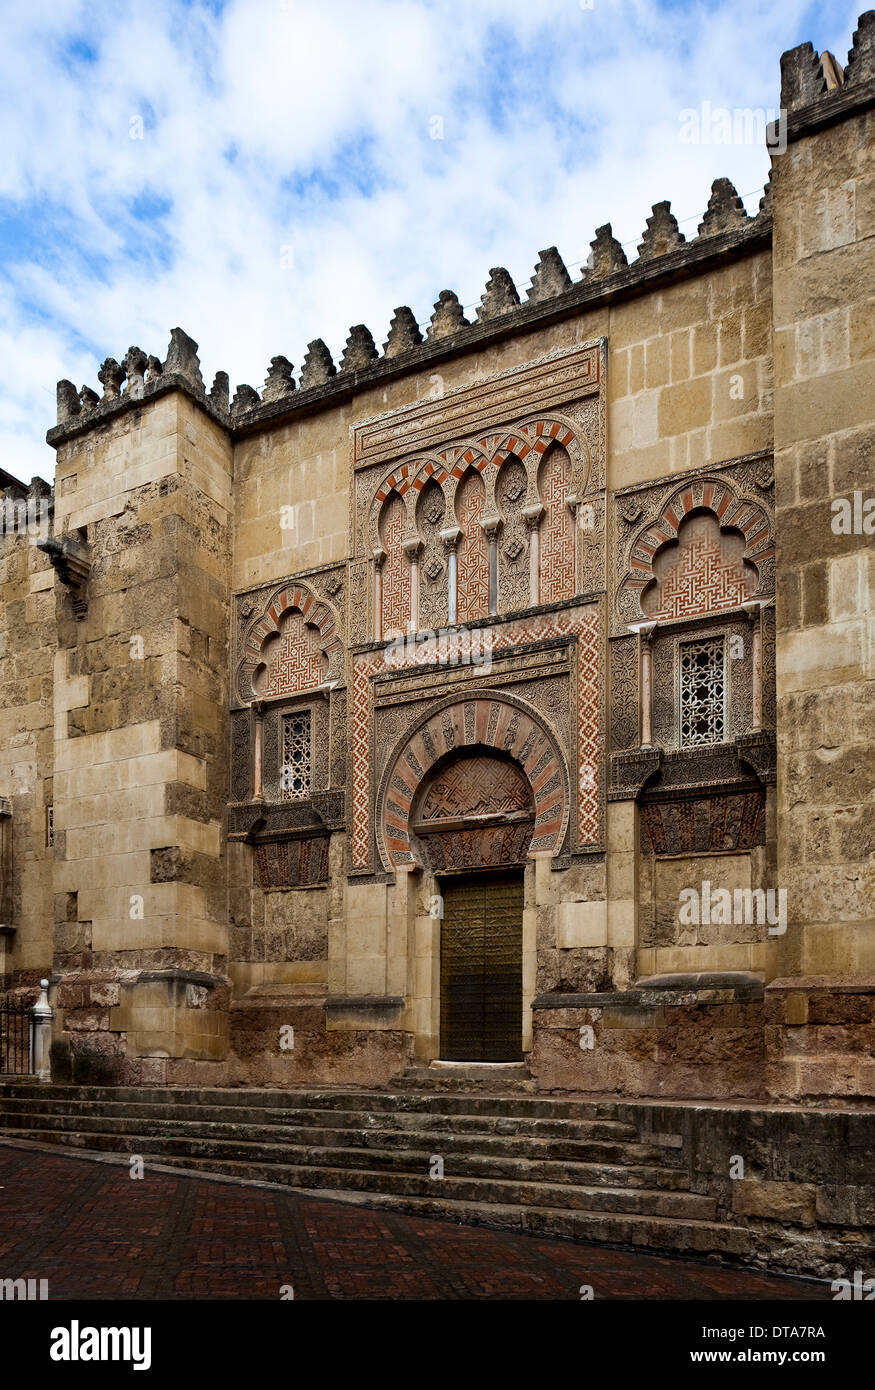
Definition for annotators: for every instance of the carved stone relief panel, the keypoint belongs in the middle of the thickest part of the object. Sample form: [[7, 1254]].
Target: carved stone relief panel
[[339, 746], [497, 722], [473, 551], [288, 638], [241, 755], [430, 513], [552, 696], [768, 678], [703, 572], [699, 544], [475, 811], [292, 863], [477, 785], [624, 696], [732, 822], [375, 732], [557, 536], [590, 521], [568, 374], [361, 623], [396, 567], [477, 432], [513, 541], [292, 659]]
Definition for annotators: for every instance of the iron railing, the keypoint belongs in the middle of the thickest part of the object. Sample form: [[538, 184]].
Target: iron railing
[[16, 1039]]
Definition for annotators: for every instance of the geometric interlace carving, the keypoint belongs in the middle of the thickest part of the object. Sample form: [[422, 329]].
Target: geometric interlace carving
[[396, 568], [476, 786], [541, 628], [297, 757], [704, 577], [297, 662], [703, 692], [557, 530], [473, 550]]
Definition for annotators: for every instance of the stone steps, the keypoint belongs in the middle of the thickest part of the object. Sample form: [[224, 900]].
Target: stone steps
[[292, 1120], [544, 1160], [657, 1233], [553, 1164], [387, 1172], [323, 1098]]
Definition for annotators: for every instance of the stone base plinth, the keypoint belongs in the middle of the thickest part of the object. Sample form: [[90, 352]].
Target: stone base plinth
[[674, 1041], [118, 1027], [820, 1038], [292, 1035]]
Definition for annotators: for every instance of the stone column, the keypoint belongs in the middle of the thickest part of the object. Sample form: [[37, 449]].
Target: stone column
[[490, 527], [450, 537], [572, 502], [379, 560], [754, 611], [257, 708], [532, 518], [645, 633], [42, 1015], [411, 549]]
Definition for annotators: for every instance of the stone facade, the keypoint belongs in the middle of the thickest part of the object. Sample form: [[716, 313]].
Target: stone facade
[[552, 598]]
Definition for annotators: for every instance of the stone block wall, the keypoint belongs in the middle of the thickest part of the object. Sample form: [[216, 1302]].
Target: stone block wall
[[686, 1040], [690, 374], [140, 756], [793, 1186], [186, 508], [27, 641], [824, 262]]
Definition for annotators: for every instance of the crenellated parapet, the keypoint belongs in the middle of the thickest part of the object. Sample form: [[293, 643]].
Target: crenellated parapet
[[816, 89], [136, 378], [725, 226]]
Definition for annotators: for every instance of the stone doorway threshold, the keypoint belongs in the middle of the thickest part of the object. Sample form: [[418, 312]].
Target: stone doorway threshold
[[483, 1069]]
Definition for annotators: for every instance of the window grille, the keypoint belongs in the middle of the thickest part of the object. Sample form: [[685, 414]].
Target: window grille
[[297, 757], [703, 693], [50, 827]]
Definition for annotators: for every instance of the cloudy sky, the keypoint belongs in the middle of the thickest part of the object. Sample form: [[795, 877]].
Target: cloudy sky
[[263, 172]]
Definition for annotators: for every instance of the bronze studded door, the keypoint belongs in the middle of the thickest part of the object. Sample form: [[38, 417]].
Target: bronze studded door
[[482, 968]]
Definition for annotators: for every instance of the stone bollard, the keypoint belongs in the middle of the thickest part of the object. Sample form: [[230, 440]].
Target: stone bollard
[[42, 1034]]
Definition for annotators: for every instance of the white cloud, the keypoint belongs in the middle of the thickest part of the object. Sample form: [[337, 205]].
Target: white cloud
[[556, 119]]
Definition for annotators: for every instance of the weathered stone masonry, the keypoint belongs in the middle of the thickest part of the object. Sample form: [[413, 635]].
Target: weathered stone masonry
[[550, 599]]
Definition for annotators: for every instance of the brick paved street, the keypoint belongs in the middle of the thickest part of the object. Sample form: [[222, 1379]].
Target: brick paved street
[[93, 1232]]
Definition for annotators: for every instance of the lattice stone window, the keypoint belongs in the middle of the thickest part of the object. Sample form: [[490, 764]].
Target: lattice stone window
[[702, 693], [296, 757]]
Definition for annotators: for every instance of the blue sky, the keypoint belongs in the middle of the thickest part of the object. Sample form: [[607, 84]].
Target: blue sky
[[263, 172]]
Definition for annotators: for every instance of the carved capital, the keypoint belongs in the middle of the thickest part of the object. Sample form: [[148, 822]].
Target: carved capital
[[451, 536]]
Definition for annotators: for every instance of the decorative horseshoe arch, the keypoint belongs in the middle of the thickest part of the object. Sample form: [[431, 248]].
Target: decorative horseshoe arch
[[483, 720], [447, 467], [750, 518], [316, 613]]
